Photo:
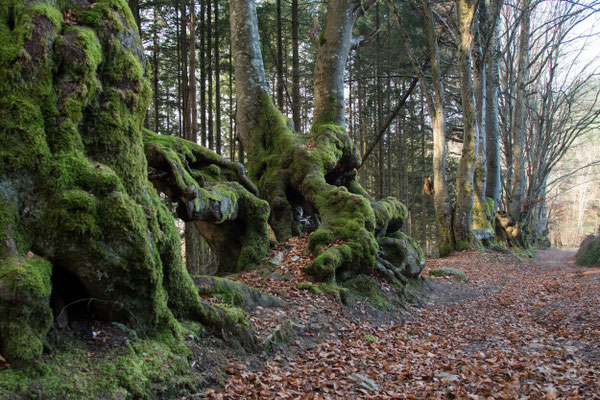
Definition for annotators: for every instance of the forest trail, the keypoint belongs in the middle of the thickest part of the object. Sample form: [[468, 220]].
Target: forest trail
[[515, 330]]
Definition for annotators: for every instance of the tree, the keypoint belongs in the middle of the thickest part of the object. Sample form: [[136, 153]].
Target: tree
[[312, 180], [75, 194]]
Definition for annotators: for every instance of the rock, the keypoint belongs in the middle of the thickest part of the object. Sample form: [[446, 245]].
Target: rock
[[453, 272], [446, 377], [277, 259], [366, 383], [295, 258], [403, 252]]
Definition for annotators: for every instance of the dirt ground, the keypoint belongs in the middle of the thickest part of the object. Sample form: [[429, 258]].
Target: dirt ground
[[515, 330]]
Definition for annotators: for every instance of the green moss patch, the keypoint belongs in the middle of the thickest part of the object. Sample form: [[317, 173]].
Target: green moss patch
[[452, 272], [367, 290], [142, 369], [589, 251]]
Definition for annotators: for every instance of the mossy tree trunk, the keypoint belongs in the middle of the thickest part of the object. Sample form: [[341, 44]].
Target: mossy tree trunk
[[310, 182], [74, 188], [465, 11]]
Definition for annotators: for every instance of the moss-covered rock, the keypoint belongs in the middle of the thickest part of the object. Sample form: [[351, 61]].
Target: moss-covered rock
[[453, 272], [364, 288], [589, 251], [24, 308]]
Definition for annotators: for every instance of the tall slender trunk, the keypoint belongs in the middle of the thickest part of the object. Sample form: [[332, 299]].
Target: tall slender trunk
[[203, 73], [361, 125], [296, 68], [155, 78], [231, 119], [279, 58], [517, 195], [192, 131], [210, 133], [217, 83], [179, 80], [466, 167], [380, 161], [423, 200], [184, 72]]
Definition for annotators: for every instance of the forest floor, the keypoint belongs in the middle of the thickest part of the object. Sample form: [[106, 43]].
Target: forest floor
[[517, 329]]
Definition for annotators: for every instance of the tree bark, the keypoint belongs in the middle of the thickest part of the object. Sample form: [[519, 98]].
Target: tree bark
[[76, 195], [517, 195], [493, 188], [310, 182], [466, 10], [295, 68], [209, 73], [217, 84], [334, 45]]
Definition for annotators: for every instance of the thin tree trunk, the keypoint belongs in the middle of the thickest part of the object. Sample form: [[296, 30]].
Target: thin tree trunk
[[217, 83], [179, 81], [295, 68], [184, 73], [279, 58], [192, 134], [203, 131], [155, 67], [380, 161], [361, 126], [423, 201], [211, 139], [231, 129]]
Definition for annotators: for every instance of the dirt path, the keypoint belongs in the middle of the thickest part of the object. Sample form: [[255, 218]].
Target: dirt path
[[514, 331]]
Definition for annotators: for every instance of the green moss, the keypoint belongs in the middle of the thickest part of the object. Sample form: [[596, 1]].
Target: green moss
[[462, 245], [369, 338], [26, 317], [366, 289], [234, 315], [589, 251], [143, 369], [330, 288], [456, 273]]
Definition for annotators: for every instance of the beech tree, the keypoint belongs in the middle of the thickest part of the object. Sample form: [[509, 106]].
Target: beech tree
[[76, 197], [310, 182]]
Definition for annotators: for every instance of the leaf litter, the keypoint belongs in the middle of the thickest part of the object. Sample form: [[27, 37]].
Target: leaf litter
[[519, 331]]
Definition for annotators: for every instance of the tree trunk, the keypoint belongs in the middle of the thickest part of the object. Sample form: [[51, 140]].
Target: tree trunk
[[210, 133], [517, 195], [217, 84], [295, 68], [279, 58], [310, 182], [75, 194], [192, 133], [203, 131], [493, 188], [155, 76], [466, 167]]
